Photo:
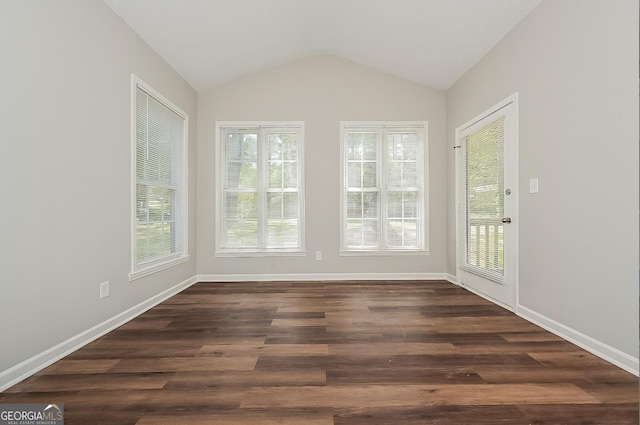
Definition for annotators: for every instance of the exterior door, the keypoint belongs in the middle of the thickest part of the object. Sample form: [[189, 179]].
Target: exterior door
[[487, 203]]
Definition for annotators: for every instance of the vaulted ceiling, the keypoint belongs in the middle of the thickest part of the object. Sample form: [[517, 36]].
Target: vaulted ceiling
[[433, 42]]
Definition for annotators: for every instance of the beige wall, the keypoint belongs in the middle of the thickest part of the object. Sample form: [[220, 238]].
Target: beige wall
[[575, 66], [321, 91], [65, 170]]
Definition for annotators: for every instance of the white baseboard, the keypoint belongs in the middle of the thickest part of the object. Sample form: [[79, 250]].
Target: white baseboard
[[452, 278], [486, 297], [598, 348], [307, 277], [38, 362]]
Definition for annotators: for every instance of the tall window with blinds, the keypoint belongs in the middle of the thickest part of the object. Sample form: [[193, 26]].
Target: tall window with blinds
[[260, 188], [159, 194], [383, 190]]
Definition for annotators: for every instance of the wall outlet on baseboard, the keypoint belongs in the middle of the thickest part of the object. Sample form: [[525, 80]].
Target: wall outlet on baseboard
[[104, 289]]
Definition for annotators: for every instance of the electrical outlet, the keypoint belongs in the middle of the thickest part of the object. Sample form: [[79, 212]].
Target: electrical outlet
[[318, 255], [104, 289]]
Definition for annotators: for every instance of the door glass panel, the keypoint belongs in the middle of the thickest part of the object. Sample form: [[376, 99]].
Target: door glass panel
[[484, 241]]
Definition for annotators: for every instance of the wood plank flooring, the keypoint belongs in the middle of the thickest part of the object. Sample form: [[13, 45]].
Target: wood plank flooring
[[332, 353]]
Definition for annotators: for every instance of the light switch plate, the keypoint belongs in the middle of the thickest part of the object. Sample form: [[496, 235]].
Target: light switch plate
[[104, 289], [533, 185]]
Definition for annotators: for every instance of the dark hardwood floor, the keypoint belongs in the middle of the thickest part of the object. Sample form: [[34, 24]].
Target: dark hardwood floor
[[321, 353]]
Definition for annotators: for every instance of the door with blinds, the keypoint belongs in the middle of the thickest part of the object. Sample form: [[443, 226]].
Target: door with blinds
[[487, 203]]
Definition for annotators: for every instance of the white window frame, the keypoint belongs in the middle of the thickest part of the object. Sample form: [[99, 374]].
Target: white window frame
[[181, 255], [220, 154], [422, 128]]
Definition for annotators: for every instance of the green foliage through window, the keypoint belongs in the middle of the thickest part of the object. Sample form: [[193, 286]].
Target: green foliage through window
[[160, 180], [261, 196], [485, 197], [383, 199]]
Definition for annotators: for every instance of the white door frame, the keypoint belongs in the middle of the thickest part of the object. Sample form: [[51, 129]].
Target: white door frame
[[514, 225]]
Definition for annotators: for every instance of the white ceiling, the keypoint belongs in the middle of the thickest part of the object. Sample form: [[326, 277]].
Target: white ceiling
[[433, 42]]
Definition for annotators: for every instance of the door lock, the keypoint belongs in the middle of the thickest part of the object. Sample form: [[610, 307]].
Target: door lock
[[506, 220]]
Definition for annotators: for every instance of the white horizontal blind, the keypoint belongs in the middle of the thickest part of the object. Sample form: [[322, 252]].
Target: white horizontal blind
[[404, 188], [484, 165], [240, 198], [282, 191], [160, 196], [262, 199], [383, 187], [362, 190]]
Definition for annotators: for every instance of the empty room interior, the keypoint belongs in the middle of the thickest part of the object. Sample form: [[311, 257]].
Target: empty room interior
[[321, 212]]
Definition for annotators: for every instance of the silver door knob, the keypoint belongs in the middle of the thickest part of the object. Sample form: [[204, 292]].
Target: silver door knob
[[506, 220]]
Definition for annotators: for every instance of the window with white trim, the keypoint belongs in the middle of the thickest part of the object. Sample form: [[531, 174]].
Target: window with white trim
[[159, 149], [383, 203], [260, 199]]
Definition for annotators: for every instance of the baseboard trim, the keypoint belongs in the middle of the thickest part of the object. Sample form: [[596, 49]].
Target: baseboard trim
[[452, 278], [318, 277], [23, 370], [598, 348], [485, 296]]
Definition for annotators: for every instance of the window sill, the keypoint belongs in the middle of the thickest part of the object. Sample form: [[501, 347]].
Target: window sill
[[253, 254], [147, 271], [382, 253]]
